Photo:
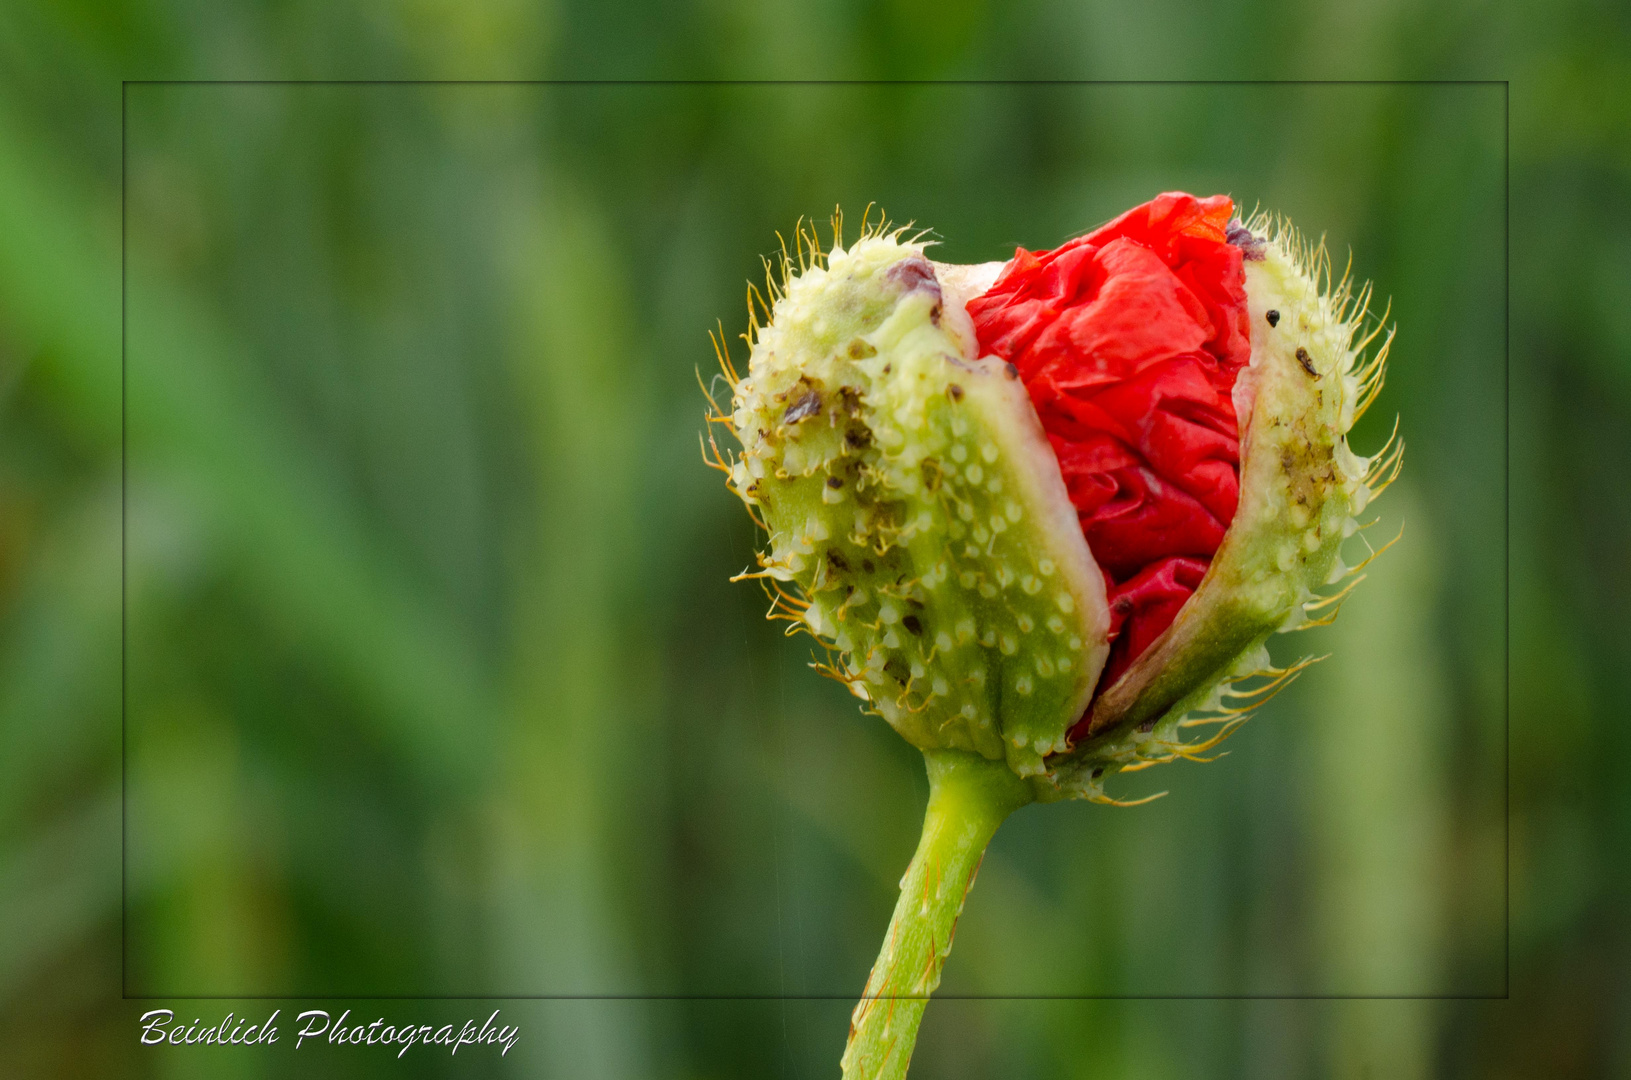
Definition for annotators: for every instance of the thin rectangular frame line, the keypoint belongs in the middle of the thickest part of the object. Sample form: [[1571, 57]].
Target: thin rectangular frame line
[[124, 467], [1506, 526], [124, 545], [816, 997], [816, 82]]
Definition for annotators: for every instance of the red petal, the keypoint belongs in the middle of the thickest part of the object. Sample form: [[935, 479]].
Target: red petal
[[1129, 340], [1144, 606]]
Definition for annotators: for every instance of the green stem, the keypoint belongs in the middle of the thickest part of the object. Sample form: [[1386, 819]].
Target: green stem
[[968, 798]]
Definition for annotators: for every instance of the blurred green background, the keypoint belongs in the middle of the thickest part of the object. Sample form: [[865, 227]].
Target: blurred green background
[[435, 683]]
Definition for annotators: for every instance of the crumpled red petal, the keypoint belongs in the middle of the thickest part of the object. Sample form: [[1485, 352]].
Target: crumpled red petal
[[1129, 340]]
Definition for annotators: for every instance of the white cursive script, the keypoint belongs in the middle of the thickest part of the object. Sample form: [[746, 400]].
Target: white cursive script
[[158, 1026], [317, 1025]]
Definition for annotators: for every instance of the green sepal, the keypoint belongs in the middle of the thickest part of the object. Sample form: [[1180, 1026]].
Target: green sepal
[[912, 499], [1300, 490]]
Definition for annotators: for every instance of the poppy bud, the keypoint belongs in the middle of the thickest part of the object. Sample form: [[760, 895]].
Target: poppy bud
[[982, 483], [1044, 514]]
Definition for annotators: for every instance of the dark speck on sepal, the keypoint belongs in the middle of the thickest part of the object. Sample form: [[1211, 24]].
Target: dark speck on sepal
[[805, 407]]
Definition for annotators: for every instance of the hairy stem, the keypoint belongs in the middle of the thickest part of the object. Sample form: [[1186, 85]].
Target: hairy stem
[[968, 798]]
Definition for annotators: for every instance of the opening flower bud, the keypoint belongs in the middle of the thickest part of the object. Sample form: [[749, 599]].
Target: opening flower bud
[[1047, 510]]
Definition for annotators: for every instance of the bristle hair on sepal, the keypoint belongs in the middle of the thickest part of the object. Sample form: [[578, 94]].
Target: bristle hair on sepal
[[1162, 742]]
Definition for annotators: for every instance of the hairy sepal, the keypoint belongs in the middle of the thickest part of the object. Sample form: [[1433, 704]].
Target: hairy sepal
[[1300, 490], [914, 508]]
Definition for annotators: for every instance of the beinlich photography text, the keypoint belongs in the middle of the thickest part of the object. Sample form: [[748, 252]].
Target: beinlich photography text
[[318, 1026]]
